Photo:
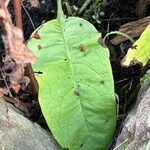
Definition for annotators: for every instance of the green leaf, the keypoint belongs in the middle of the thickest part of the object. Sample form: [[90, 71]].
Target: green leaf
[[145, 78], [140, 51], [76, 88]]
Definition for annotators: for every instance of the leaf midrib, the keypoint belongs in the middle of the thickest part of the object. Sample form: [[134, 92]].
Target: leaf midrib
[[71, 69]]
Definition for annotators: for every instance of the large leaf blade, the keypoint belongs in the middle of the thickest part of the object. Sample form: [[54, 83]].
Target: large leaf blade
[[76, 91]]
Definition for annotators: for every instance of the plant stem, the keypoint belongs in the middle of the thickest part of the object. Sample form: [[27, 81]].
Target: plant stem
[[28, 16], [60, 14], [119, 33], [86, 3], [18, 16]]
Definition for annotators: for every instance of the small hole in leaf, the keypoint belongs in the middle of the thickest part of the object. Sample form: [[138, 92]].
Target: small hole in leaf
[[65, 59], [38, 72]]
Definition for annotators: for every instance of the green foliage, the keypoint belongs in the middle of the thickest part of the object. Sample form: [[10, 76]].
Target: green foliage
[[145, 78], [76, 89], [140, 51]]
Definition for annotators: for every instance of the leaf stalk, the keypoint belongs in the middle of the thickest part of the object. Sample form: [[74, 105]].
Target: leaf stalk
[[60, 14]]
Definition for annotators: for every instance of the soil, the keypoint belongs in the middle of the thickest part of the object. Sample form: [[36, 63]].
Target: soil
[[112, 14]]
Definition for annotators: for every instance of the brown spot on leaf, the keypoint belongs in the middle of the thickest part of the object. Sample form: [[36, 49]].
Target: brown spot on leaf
[[134, 62], [81, 48], [36, 36], [134, 47], [77, 93]]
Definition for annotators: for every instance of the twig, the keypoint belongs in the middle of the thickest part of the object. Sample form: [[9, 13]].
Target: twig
[[29, 71], [18, 16]]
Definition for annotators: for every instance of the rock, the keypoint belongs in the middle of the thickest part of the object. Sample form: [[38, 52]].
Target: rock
[[19, 133], [135, 134]]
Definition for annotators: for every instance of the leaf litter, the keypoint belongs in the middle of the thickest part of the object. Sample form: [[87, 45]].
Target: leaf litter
[[15, 58], [17, 54]]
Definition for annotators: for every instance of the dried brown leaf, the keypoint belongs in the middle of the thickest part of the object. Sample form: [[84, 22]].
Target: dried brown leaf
[[13, 40], [15, 87], [17, 75], [17, 54], [1, 92], [26, 82]]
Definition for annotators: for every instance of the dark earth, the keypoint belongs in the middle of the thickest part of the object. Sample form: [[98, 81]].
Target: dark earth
[[110, 15]]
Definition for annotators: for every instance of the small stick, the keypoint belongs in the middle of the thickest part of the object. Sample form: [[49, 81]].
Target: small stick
[[18, 15], [28, 69]]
